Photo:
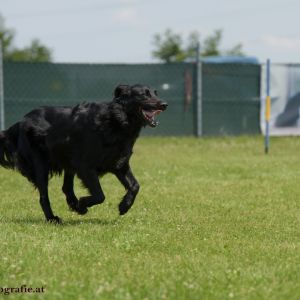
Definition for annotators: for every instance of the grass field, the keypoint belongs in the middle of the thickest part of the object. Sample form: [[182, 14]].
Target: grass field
[[215, 219]]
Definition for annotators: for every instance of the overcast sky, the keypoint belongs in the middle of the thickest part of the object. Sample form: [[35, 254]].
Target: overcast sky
[[122, 30]]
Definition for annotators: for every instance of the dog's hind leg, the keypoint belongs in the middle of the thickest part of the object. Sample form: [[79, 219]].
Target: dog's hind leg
[[90, 180], [126, 177], [41, 182], [68, 190]]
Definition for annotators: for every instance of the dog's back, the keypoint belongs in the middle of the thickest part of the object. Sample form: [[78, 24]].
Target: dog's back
[[32, 136]]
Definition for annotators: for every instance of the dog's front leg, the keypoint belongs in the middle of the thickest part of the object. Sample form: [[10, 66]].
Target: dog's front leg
[[68, 190], [126, 177], [90, 180]]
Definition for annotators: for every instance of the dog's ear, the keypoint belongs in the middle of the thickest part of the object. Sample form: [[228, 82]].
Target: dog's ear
[[122, 91]]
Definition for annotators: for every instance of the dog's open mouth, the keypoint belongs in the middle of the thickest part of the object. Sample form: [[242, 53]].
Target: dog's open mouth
[[149, 117]]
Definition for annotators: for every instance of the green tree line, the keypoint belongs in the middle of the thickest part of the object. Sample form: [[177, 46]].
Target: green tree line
[[170, 47], [34, 52]]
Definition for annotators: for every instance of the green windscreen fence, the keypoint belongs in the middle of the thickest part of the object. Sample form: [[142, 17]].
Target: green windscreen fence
[[28, 85], [231, 99], [230, 92]]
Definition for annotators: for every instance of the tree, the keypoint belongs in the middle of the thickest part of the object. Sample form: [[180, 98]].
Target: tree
[[211, 45], [169, 46], [236, 50], [35, 52]]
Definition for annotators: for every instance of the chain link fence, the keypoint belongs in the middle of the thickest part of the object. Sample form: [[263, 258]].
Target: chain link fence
[[231, 98], [230, 92], [30, 85]]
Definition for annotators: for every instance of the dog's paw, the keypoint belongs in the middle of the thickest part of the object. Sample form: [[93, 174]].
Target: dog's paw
[[81, 208], [123, 208], [72, 204], [73, 207], [54, 220]]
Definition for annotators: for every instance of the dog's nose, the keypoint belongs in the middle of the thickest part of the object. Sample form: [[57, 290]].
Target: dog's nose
[[164, 105]]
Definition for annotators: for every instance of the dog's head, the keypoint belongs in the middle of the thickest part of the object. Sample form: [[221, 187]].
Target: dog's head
[[141, 101]]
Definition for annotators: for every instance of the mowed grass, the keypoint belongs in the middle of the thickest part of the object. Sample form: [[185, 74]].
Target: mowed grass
[[215, 218]]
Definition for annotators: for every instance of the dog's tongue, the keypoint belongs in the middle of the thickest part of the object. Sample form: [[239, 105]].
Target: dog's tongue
[[150, 117], [153, 113]]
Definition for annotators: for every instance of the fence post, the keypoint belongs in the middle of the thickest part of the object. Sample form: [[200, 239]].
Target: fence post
[[2, 115], [199, 129], [267, 107]]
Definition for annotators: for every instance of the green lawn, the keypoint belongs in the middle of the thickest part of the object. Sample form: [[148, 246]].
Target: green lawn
[[215, 219]]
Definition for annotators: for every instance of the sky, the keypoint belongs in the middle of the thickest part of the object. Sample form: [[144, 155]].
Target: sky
[[121, 31]]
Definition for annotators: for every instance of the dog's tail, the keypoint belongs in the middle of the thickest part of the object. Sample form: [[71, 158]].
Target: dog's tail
[[8, 146]]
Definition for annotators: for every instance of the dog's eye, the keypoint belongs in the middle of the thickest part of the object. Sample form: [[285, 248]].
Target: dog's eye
[[147, 92]]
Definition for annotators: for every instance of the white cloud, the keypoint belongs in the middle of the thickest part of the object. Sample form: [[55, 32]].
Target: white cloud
[[126, 15], [281, 42]]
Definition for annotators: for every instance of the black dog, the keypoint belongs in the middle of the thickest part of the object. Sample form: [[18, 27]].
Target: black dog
[[88, 140]]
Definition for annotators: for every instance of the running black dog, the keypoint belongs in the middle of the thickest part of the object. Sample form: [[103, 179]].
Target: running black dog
[[87, 140]]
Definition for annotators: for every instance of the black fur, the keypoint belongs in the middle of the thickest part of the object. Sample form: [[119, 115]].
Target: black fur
[[87, 140]]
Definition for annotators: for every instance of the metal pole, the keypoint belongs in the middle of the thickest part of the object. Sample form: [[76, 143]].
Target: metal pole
[[268, 108], [199, 129], [2, 115]]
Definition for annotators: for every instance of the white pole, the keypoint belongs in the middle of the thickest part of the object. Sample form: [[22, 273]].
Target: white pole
[[2, 115]]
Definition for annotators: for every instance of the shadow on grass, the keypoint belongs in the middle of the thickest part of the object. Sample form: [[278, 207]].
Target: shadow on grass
[[93, 221], [68, 222]]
